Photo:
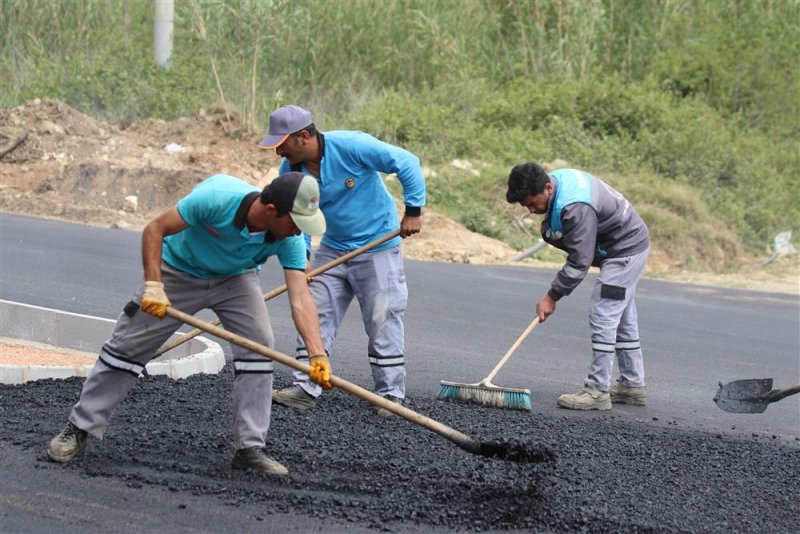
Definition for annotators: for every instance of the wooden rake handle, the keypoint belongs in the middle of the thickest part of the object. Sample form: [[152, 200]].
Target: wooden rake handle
[[515, 346], [462, 440], [282, 289]]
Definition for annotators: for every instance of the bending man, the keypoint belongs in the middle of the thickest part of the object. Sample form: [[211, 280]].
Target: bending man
[[206, 252]]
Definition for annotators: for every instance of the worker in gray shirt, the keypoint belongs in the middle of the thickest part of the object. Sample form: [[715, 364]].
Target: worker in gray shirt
[[597, 227]]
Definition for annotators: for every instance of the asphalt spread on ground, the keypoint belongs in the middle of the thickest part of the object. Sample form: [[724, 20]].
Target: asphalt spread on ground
[[349, 466]]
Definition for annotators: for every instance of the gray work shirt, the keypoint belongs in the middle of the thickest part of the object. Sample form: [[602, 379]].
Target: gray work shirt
[[609, 227]]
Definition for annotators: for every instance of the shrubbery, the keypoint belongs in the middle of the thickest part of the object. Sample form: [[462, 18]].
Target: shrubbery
[[692, 105], [604, 126]]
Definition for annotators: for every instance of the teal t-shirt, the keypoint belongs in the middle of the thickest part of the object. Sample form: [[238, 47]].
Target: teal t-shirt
[[218, 243]]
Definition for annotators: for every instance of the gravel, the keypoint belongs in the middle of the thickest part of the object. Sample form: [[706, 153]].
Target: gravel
[[597, 473]]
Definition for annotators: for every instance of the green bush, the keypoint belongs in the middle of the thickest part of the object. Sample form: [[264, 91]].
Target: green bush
[[698, 99], [123, 88]]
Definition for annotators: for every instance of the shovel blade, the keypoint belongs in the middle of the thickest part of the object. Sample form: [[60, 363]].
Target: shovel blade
[[744, 396]]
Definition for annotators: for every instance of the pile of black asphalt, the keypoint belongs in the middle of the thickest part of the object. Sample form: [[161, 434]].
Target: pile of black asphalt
[[349, 466]]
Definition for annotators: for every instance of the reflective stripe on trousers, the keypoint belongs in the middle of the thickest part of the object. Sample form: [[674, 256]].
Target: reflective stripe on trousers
[[378, 281], [137, 335], [614, 323]]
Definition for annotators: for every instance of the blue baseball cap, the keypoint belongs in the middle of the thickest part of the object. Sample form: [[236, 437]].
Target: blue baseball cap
[[284, 121]]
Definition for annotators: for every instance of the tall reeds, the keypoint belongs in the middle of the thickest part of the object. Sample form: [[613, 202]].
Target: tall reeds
[[336, 51]]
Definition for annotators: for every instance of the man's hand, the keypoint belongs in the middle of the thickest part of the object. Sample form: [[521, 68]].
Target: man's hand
[[410, 225], [154, 299], [545, 307], [320, 370]]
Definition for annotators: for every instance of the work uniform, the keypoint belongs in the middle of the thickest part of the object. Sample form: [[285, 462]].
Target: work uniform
[[358, 210], [212, 264], [598, 227]]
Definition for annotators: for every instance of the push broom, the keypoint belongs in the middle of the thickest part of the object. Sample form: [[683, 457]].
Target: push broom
[[484, 392]]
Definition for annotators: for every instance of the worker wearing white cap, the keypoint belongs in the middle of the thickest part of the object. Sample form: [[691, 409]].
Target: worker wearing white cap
[[206, 252]]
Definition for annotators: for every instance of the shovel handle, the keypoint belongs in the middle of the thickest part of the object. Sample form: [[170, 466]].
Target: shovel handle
[[282, 289], [460, 439], [778, 394], [517, 343]]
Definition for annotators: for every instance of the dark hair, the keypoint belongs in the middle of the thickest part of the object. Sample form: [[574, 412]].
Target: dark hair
[[525, 179], [311, 129], [266, 198]]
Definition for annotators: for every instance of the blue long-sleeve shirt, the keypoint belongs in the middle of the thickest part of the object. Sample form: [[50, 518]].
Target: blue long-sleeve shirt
[[357, 206]]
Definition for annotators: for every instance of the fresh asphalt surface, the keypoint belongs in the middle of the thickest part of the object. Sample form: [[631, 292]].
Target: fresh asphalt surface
[[460, 321]]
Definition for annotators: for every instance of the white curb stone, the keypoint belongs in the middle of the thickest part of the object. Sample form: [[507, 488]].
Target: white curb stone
[[85, 332]]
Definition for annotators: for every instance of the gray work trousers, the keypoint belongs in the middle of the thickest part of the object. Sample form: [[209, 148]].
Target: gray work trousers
[[239, 304], [378, 281], [614, 323]]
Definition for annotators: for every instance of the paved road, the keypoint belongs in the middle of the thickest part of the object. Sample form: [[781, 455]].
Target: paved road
[[462, 318]]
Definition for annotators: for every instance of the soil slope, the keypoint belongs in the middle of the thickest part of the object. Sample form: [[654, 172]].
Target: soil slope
[[73, 167], [76, 168]]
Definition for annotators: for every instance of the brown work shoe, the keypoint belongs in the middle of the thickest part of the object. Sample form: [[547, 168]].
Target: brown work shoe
[[294, 397], [383, 412], [623, 394], [67, 444], [587, 398], [255, 458]]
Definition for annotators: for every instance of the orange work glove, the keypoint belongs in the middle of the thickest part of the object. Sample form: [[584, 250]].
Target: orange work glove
[[320, 370], [154, 299]]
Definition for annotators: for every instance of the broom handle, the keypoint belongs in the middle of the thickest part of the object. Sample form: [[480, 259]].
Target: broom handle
[[282, 289], [514, 347], [462, 440]]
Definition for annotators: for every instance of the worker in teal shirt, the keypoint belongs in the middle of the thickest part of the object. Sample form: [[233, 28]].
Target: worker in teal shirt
[[358, 209], [206, 252]]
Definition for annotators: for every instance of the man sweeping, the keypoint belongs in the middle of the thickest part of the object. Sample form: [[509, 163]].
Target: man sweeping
[[206, 252], [597, 227]]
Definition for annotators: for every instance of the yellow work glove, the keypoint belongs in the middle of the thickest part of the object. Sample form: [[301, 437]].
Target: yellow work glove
[[320, 371], [154, 299]]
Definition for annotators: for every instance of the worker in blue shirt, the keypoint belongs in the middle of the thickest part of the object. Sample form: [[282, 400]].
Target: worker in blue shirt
[[206, 251], [358, 209]]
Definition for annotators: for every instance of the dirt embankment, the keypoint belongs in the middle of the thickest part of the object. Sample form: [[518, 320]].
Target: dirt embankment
[[76, 168], [72, 167]]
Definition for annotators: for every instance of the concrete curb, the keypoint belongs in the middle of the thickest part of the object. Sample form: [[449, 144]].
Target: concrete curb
[[87, 333]]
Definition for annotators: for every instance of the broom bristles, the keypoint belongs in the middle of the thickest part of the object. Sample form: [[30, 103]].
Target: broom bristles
[[495, 396]]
